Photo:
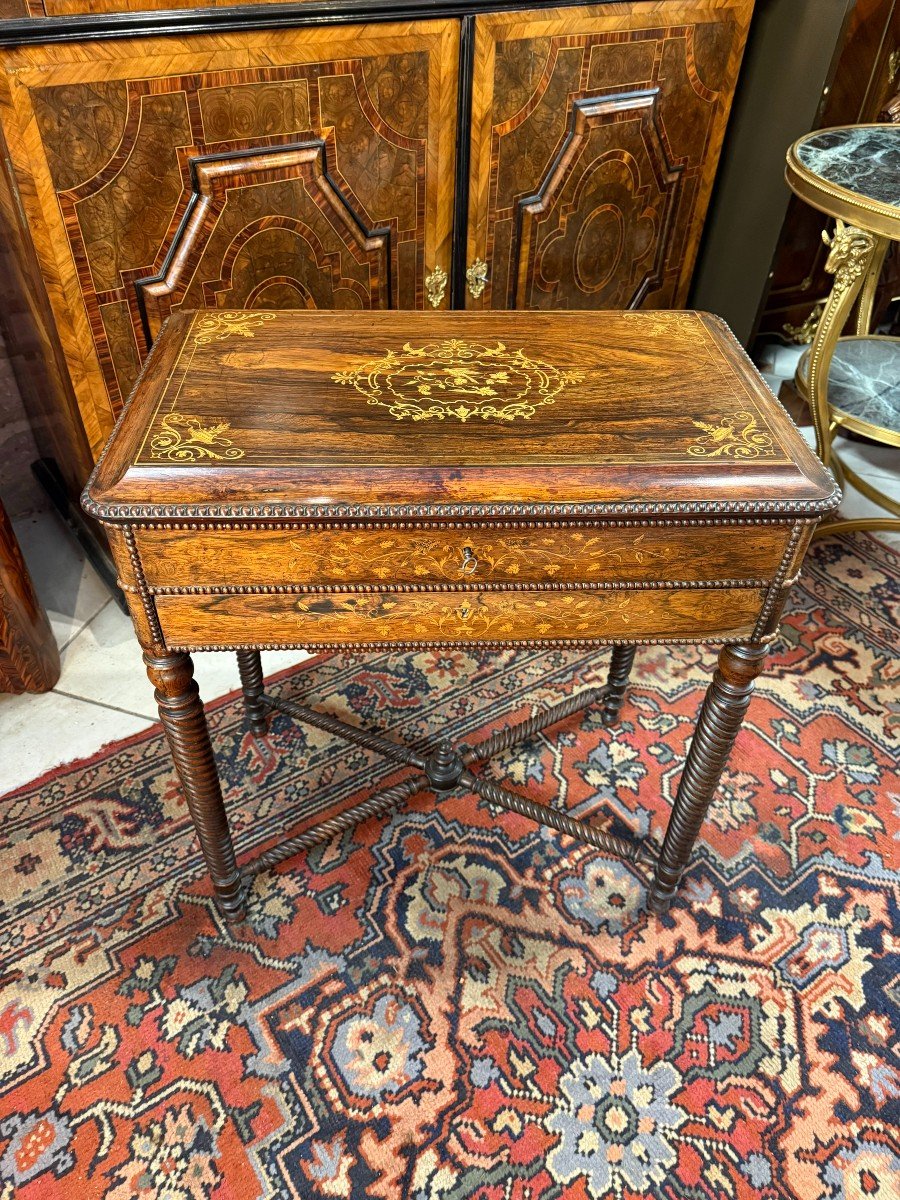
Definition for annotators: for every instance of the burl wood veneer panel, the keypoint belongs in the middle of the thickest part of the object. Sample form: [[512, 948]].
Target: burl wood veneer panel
[[315, 619], [309, 169], [595, 138], [224, 557], [29, 332]]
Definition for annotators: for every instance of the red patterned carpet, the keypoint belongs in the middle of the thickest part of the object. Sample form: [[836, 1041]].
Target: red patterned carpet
[[447, 1005]]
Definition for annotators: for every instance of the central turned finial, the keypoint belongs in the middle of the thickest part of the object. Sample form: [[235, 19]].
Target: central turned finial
[[444, 767]]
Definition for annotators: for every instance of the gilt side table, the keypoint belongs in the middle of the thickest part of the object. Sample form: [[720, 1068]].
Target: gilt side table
[[852, 382], [401, 480]]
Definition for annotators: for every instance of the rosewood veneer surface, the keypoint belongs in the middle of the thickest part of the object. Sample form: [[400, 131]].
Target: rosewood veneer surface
[[302, 413]]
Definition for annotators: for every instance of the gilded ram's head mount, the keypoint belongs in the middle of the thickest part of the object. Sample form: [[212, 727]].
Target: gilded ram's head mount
[[458, 380]]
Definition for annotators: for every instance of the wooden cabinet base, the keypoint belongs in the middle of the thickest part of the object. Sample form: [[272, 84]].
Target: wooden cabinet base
[[29, 658]]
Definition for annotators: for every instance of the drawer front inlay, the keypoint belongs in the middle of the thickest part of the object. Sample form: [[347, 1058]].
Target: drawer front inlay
[[375, 618], [303, 557]]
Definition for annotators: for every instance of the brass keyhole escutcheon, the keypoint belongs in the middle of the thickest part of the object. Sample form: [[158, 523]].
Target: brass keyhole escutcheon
[[469, 562], [477, 277], [435, 286]]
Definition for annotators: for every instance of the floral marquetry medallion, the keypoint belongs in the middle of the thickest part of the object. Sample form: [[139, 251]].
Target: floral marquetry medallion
[[459, 380]]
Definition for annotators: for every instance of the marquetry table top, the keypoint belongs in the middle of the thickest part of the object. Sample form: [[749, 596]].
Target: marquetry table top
[[308, 413]]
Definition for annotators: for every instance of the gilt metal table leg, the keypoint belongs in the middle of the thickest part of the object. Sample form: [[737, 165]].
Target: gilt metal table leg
[[851, 254], [617, 682], [724, 706], [870, 287], [184, 722], [251, 673]]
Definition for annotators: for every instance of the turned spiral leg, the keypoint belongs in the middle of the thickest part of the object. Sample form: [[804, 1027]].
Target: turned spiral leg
[[726, 702], [184, 722], [250, 670], [617, 682]]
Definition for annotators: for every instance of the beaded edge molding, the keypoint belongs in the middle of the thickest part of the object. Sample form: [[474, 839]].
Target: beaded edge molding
[[363, 648], [393, 589], [441, 526], [115, 513], [778, 590]]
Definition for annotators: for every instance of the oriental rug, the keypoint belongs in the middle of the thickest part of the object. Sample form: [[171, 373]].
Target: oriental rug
[[447, 1004]]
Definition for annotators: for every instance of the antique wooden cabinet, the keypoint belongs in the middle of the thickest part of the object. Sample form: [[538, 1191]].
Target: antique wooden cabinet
[[353, 156]]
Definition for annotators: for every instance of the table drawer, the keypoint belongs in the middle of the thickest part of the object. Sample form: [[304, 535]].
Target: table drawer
[[298, 557], [316, 618]]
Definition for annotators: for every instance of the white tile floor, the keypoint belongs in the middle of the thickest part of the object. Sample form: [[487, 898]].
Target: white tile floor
[[103, 693]]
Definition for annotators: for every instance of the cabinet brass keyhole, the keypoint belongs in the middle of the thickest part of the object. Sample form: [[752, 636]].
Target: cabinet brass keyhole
[[469, 561], [477, 277], [435, 286]]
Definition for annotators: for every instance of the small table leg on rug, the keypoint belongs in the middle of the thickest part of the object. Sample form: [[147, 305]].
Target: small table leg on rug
[[184, 722], [617, 682], [251, 673], [724, 706]]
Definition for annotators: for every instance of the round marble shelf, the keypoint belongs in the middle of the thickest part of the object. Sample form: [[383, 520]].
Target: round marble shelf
[[864, 159], [851, 172], [864, 386]]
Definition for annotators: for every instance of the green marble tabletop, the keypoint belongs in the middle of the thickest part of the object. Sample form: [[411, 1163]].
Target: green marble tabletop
[[864, 159]]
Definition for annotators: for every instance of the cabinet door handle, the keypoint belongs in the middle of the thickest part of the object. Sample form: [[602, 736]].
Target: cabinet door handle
[[477, 277], [435, 286]]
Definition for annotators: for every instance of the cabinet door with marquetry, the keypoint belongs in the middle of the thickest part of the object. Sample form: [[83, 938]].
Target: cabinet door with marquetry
[[309, 169], [595, 138]]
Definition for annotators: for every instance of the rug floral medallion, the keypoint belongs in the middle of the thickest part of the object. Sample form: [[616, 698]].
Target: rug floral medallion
[[448, 1004]]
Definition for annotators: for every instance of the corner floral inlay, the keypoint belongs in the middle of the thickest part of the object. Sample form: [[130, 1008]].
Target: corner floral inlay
[[737, 435], [187, 439], [216, 327], [459, 380]]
